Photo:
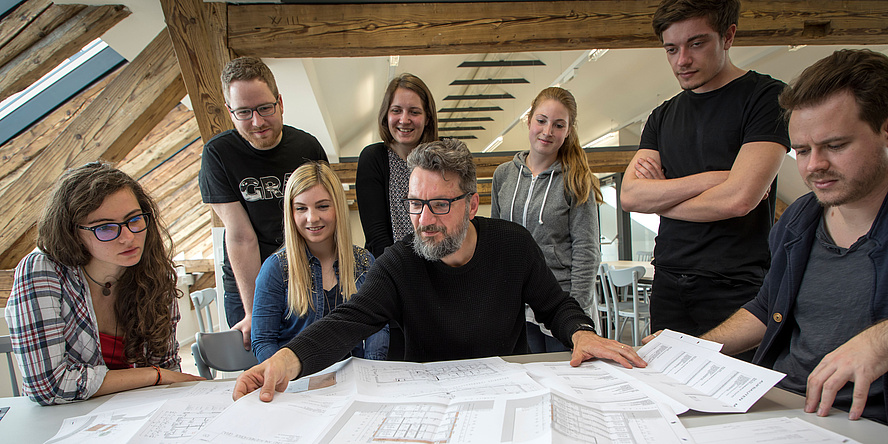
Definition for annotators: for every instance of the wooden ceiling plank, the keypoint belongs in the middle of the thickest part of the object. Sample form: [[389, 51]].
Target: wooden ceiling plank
[[198, 63], [63, 42], [176, 131], [20, 18], [197, 226], [186, 210], [315, 30], [126, 110], [193, 235], [174, 175], [43, 25]]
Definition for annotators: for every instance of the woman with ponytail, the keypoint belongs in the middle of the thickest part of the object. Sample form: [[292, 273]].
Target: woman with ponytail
[[550, 190]]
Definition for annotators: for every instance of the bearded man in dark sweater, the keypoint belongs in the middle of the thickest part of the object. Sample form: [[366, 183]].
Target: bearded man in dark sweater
[[457, 287]]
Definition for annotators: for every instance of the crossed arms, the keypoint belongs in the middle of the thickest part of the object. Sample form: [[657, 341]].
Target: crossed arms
[[702, 197]]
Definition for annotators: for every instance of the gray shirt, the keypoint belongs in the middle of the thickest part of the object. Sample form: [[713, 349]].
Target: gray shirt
[[832, 307]]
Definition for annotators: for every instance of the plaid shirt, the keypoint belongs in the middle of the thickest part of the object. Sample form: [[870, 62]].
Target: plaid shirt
[[55, 335]]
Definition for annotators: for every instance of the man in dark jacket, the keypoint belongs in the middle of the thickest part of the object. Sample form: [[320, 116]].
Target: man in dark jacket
[[821, 314]]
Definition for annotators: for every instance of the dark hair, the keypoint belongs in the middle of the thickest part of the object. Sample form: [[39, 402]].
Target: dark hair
[[720, 13], [146, 290], [448, 155], [861, 72], [578, 178], [415, 84], [247, 68]]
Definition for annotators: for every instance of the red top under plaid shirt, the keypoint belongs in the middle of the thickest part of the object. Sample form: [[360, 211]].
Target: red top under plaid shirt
[[55, 335]]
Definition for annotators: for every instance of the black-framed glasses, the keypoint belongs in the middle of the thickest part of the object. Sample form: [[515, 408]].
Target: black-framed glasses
[[110, 231], [436, 206], [264, 110]]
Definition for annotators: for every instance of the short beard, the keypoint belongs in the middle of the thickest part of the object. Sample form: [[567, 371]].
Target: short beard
[[856, 188], [432, 251]]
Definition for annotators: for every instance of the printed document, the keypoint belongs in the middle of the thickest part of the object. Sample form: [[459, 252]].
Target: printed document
[[694, 373]]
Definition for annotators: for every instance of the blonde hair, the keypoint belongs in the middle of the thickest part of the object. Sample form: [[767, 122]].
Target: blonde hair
[[578, 178], [299, 284]]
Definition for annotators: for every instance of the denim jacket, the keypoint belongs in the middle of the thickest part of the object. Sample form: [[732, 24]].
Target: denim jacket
[[271, 328]]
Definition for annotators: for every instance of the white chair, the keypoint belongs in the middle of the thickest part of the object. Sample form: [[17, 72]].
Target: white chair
[[644, 256], [6, 348], [624, 285], [602, 303], [202, 300], [223, 351]]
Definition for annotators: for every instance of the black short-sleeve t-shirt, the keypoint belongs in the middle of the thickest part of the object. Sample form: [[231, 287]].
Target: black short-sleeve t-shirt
[[695, 133], [233, 171]]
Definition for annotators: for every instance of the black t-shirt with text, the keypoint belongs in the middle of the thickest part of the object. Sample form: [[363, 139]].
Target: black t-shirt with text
[[233, 171]]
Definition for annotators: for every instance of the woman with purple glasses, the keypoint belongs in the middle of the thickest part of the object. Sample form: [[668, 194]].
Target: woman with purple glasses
[[94, 311]]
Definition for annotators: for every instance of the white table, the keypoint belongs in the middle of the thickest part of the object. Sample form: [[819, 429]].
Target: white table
[[27, 422]]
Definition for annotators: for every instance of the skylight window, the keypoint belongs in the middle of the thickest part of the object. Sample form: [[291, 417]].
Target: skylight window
[[18, 99]]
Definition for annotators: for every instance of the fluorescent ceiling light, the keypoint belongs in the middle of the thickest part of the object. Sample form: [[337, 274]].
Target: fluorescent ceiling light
[[609, 139], [496, 142]]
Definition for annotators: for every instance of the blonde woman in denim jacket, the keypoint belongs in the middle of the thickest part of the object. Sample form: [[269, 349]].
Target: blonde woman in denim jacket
[[301, 283]]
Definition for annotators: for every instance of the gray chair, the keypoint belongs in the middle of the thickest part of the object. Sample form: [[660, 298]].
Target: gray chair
[[602, 303], [644, 256], [202, 300], [628, 302], [6, 347], [223, 351]]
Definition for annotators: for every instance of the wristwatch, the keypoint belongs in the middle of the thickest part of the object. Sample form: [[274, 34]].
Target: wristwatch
[[585, 327]]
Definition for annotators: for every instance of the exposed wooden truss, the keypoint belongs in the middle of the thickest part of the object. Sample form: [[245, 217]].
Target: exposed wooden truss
[[123, 113], [480, 27], [206, 35]]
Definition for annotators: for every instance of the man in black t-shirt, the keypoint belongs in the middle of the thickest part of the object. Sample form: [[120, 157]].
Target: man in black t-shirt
[[242, 177], [707, 164]]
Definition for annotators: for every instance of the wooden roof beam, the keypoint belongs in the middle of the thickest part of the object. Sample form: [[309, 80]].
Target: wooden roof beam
[[199, 61], [37, 25], [64, 41], [20, 18], [125, 111], [325, 30]]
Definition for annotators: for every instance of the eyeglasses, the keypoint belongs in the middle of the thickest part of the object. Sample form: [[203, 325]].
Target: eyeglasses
[[110, 231], [436, 206], [264, 110]]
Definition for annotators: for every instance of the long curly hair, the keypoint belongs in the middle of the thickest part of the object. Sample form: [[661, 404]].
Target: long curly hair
[[299, 283], [145, 291], [579, 181]]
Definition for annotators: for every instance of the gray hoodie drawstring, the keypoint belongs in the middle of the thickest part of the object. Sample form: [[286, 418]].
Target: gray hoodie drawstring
[[515, 194], [545, 196], [529, 191]]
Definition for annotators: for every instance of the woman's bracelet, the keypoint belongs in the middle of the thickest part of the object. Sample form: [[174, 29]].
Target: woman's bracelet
[[157, 369]]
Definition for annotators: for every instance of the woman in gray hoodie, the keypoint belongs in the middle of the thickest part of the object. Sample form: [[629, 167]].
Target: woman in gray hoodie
[[550, 190]]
